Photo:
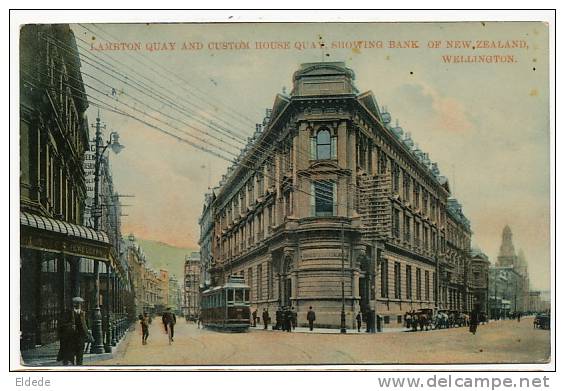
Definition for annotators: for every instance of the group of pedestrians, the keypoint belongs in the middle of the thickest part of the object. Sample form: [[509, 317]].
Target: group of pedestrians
[[286, 319], [168, 319]]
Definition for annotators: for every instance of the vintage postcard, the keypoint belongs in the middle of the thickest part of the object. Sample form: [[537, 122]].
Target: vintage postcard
[[259, 194]]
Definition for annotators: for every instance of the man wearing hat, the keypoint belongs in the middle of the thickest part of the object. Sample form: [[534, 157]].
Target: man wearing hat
[[73, 333], [169, 319]]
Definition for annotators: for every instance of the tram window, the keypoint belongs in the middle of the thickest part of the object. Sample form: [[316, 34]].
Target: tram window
[[239, 295], [231, 295], [246, 295]]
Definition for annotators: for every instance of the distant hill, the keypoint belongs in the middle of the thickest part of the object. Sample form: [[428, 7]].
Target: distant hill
[[164, 256]]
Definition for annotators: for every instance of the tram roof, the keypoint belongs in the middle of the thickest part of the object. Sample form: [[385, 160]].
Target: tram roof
[[227, 285]]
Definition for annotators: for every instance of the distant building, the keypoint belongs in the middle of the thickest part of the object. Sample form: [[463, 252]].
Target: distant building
[[151, 288], [192, 284], [479, 275], [164, 280], [509, 280], [207, 239], [175, 294]]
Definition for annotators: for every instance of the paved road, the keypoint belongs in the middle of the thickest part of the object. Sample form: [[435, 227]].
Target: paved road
[[498, 342]]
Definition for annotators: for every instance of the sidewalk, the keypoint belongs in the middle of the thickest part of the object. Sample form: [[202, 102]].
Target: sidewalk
[[46, 355], [329, 331]]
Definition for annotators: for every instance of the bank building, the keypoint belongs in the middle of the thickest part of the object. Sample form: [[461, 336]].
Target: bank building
[[332, 206]]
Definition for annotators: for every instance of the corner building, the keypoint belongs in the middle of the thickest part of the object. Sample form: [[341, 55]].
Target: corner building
[[327, 192]]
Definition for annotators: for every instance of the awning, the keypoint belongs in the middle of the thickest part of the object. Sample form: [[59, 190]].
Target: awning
[[51, 235], [52, 225]]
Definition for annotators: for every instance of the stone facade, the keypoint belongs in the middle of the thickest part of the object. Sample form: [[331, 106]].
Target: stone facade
[[509, 277], [329, 196], [192, 283]]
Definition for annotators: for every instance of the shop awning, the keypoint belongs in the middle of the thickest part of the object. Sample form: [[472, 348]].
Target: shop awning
[[51, 235], [48, 224]]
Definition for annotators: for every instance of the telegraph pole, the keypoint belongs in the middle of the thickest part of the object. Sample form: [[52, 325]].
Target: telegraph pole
[[343, 329], [98, 345]]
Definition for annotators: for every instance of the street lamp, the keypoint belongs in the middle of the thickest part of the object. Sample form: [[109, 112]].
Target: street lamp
[[97, 334]]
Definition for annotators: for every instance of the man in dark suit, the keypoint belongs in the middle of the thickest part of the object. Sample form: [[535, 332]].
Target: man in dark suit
[[169, 320], [266, 318], [73, 333], [311, 317]]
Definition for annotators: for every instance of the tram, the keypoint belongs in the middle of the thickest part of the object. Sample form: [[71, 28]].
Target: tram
[[226, 307]]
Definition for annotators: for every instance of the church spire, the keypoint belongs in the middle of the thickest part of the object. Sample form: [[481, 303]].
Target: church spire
[[507, 254]]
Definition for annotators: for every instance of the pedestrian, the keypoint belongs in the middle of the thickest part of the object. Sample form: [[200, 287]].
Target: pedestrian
[[294, 318], [73, 333], [359, 319], [311, 317], [519, 315], [144, 321], [254, 315], [266, 318], [474, 319], [288, 319], [278, 319], [169, 319], [198, 320]]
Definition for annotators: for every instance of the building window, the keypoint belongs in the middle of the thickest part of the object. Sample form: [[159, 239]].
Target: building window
[[324, 198], [416, 194], [405, 186], [395, 177], [418, 284], [397, 281], [259, 282], [250, 280], [323, 145], [382, 163], [396, 223], [408, 282], [434, 282], [416, 234], [407, 229], [384, 279], [427, 285], [270, 279]]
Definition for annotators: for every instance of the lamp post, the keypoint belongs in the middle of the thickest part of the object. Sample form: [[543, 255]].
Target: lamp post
[[343, 329], [97, 334]]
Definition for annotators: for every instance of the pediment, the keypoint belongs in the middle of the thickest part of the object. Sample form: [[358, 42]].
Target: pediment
[[325, 165], [279, 105]]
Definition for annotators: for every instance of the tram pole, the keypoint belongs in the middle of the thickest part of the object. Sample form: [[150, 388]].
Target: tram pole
[[343, 329]]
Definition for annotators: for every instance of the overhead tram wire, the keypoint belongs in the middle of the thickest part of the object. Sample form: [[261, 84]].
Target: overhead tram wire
[[106, 64], [178, 138], [147, 115], [141, 102], [126, 82], [322, 181], [259, 146], [108, 107], [167, 72], [297, 150], [204, 95]]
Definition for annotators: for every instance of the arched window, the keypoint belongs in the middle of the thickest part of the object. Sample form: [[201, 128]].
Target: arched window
[[323, 145]]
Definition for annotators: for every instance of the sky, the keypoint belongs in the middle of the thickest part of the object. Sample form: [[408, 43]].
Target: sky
[[485, 124]]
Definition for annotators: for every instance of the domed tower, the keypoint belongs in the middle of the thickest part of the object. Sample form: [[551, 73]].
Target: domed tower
[[507, 254]]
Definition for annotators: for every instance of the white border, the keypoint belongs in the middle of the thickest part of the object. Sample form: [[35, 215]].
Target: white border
[[21, 17]]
